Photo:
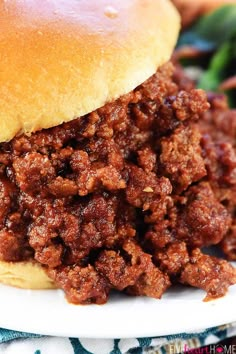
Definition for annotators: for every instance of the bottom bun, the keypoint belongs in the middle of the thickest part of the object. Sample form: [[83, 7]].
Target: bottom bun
[[27, 275]]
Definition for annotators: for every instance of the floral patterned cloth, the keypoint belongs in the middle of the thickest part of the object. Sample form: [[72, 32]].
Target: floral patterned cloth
[[13, 342]]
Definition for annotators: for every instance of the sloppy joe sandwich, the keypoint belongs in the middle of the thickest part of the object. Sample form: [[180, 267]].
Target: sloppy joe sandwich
[[104, 179]]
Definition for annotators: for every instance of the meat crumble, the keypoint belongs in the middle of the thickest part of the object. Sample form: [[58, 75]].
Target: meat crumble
[[125, 197]]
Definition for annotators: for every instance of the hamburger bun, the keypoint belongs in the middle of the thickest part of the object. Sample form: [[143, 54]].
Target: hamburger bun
[[61, 60], [26, 275]]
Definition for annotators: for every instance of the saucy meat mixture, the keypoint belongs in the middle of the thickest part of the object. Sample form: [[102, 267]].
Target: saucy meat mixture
[[125, 197]]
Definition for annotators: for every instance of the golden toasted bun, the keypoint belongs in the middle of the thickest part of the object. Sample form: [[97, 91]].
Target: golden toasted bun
[[27, 275], [63, 59], [190, 10]]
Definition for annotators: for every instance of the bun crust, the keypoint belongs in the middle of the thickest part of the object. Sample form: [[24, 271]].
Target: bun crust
[[27, 275], [63, 59]]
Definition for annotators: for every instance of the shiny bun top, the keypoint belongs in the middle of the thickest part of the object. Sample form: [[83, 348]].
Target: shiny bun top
[[61, 59]]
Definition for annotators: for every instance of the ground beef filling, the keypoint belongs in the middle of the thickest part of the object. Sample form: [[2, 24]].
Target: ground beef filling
[[122, 198]]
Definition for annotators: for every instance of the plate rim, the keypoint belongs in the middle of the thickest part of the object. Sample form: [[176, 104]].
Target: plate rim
[[119, 318]]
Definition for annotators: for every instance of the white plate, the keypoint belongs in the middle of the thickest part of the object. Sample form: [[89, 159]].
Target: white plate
[[180, 310]]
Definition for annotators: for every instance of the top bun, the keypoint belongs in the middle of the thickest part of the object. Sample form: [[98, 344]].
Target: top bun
[[63, 59]]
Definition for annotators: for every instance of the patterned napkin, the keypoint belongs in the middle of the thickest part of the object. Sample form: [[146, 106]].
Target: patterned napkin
[[13, 342]]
